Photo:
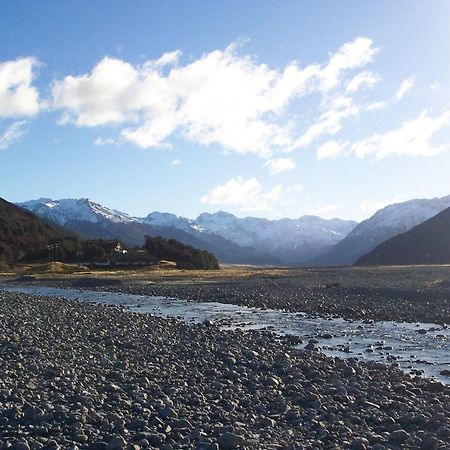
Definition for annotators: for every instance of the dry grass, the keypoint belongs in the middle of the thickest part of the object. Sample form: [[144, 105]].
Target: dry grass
[[163, 272]]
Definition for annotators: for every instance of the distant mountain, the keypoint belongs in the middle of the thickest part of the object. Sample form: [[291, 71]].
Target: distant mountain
[[231, 239], [294, 241], [67, 210], [22, 231], [383, 225], [93, 221], [427, 243]]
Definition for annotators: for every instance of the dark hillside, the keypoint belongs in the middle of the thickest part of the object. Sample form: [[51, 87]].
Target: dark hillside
[[427, 243], [22, 232]]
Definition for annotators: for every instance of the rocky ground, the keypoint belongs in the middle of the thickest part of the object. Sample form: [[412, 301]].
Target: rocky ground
[[78, 375], [411, 294]]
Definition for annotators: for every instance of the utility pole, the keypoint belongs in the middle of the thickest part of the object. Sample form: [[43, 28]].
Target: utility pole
[[53, 252]]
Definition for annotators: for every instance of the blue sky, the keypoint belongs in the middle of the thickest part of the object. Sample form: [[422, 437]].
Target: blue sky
[[262, 108]]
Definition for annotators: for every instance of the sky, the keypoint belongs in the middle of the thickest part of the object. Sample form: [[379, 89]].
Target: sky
[[260, 108]]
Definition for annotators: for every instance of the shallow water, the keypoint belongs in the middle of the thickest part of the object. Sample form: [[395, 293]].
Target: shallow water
[[427, 350]]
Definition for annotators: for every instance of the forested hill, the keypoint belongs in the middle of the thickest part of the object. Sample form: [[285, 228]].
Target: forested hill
[[21, 232], [427, 243]]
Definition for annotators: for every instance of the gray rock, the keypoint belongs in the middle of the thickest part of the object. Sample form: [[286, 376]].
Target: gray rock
[[116, 443], [399, 436], [430, 443], [156, 439], [230, 440]]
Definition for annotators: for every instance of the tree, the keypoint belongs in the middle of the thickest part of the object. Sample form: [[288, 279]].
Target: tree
[[93, 252], [185, 256]]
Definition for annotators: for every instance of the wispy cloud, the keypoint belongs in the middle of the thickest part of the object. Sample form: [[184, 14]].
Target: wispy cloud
[[175, 162], [104, 141], [405, 86], [280, 165], [412, 138], [12, 133], [365, 79], [331, 149]]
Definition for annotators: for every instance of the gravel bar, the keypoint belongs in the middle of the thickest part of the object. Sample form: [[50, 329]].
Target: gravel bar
[[404, 294], [76, 375]]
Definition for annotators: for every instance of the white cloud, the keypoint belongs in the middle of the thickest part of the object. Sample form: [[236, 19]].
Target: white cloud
[[331, 149], [175, 162], [103, 141], [12, 133], [339, 107], [351, 55], [361, 80], [330, 122], [371, 206], [18, 98], [280, 165], [412, 139], [222, 98], [246, 194], [404, 87]]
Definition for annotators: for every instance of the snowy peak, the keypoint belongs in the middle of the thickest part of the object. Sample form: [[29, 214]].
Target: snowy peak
[[67, 210], [291, 241], [275, 234], [383, 225], [159, 219], [404, 216]]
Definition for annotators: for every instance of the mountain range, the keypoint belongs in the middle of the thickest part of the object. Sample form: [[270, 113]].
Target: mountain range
[[427, 243], [308, 240], [231, 239], [383, 225]]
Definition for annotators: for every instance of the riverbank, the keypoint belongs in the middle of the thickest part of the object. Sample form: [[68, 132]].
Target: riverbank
[[410, 294], [91, 376]]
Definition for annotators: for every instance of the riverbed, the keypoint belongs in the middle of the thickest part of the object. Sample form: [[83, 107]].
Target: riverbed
[[421, 349]]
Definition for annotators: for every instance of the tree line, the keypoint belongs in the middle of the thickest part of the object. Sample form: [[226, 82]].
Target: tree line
[[185, 256], [73, 250]]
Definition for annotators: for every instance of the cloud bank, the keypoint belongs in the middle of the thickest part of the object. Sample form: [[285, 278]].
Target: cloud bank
[[223, 98]]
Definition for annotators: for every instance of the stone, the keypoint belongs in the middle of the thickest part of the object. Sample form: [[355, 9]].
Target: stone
[[116, 443], [399, 436], [230, 440], [430, 443], [359, 444], [156, 439], [21, 445]]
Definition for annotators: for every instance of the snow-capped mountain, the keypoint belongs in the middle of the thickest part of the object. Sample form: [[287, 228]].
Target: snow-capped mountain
[[159, 219], [295, 241], [68, 210], [427, 243], [383, 225], [249, 240]]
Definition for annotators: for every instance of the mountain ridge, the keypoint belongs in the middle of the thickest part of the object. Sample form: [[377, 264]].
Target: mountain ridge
[[21, 232], [246, 240], [386, 223], [426, 243]]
